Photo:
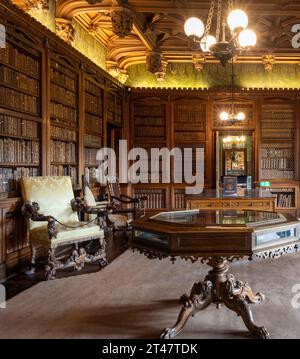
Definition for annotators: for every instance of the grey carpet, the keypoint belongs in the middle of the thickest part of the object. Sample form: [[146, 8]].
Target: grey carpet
[[135, 297]]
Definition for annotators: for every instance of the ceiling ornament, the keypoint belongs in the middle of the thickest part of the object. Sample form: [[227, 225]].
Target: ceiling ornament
[[153, 61], [217, 39], [33, 5], [65, 30], [268, 61], [121, 20], [161, 73], [199, 62]]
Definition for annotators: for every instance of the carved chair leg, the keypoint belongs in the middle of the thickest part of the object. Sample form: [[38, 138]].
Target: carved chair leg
[[52, 265], [31, 269], [237, 296], [200, 298], [102, 252]]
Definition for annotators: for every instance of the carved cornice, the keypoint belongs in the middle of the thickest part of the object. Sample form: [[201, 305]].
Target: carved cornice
[[121, 20], [65, 30], [32, 5]]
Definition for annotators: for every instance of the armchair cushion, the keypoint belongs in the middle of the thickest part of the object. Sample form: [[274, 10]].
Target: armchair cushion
[[119, 220], [66, 235], [53, 195]]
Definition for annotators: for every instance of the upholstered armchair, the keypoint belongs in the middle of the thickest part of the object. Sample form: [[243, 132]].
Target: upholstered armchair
[[122, 203], [52, 216], [117, 222]]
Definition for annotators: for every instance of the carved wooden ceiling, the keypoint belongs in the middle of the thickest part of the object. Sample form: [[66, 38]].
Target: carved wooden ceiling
[[151, 31]]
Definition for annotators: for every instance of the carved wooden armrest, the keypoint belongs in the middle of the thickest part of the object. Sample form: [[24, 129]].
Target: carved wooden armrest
[[79, 205], [30, 210]]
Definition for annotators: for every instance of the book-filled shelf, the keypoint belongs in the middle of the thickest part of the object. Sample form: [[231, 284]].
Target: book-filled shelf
[[93, 127], [20, 116], [114, 107], [278, 150], [64, 121]]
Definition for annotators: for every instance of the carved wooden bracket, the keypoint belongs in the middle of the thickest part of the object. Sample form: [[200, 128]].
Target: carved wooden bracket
[[65, 30], [33, 5], [199, 62], [153, 61], [121, 20], [268, 61], [114, 70]]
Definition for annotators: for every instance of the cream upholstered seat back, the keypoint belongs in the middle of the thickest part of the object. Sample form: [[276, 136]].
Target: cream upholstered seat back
[[53, 195], [90, 201]]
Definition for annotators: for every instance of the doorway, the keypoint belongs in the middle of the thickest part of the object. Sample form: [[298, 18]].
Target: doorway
[[234, 157]]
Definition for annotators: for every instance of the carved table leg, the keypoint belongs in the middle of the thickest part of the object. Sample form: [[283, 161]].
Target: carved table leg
[[219, 287], [200, 298], [237, 296]]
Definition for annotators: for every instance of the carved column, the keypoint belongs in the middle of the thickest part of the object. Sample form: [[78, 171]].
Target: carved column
[[65, 30], [121, 20]]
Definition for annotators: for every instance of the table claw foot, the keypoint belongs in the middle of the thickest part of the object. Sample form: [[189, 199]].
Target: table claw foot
[[238, 296], [168, 333], [200, 298]]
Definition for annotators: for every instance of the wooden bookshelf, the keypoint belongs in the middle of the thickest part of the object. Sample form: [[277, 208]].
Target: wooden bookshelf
[[114, 108], [64, 120], [278, 140], [93, 127], [20, 138]]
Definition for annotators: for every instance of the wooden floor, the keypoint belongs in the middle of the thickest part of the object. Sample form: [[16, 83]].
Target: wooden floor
[[20, 282]]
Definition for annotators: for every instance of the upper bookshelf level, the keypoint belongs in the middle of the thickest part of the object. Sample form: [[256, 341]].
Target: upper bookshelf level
[[20, 77]]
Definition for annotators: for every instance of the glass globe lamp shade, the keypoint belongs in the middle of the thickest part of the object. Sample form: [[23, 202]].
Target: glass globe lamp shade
[[241, 116], [207, 42], [224, 116], [247, 38], [237, 19], [194, 27]]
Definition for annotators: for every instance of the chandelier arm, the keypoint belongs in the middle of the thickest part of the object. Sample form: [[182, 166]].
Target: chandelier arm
[[209, 18]]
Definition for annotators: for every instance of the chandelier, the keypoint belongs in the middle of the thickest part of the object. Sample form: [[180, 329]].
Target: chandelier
[[239, 36], [230, 142], [232, 117]]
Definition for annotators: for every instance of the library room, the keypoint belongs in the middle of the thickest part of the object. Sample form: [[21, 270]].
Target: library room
[[149, 169]]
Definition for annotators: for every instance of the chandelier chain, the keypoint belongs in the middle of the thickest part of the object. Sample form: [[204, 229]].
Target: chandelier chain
[[210, 17], [219, 19]]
